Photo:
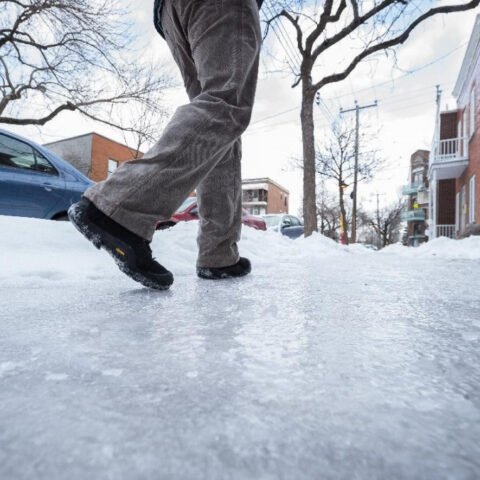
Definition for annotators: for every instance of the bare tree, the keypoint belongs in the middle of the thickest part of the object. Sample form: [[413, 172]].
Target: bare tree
[[143, 126], [371, 27], [386, 223], [328, 214], [70, 55], [335, 160]]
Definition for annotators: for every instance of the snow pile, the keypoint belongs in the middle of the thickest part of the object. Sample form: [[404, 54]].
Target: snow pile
[[35, 251], [443, 247], [44, 250]]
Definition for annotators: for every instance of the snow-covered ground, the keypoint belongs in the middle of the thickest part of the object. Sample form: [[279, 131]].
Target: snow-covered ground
[[326, 363]]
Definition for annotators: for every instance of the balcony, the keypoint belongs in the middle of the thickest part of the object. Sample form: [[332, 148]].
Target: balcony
[[255, 196], [446, 231], [450, 158], [413, 188], [417, 215], [254, 203]]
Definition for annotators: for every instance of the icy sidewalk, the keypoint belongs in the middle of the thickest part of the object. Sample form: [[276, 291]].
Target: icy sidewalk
[[325, 363]]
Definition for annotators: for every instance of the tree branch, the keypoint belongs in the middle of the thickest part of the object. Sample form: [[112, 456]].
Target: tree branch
[[357, 21], [294, 22], [394, 41], [324, 20], [38, 121]]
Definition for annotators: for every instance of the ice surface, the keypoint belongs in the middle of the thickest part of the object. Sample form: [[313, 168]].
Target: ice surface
[[326, 363]]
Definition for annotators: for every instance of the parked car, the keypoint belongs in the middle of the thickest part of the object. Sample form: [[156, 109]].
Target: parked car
[[370, 246], [189, 211], [287, 225], [34, 182]]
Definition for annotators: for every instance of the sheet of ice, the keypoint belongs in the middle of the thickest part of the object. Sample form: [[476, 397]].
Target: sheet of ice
[[327, 362]]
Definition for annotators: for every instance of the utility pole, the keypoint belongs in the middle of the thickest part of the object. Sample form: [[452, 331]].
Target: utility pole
[[356, 109]]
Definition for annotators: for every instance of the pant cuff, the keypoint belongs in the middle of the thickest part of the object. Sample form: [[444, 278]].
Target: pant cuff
[[217, 261], [132, 221]]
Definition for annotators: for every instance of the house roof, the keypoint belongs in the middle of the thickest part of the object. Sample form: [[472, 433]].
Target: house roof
[[424, 154], [90, 134], [469, 60], [259, 183]]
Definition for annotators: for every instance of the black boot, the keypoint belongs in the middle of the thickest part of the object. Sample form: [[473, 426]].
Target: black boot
[[131, 252], [240, 269]]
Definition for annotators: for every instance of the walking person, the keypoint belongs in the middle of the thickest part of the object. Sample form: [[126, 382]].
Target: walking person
[[216, 45]]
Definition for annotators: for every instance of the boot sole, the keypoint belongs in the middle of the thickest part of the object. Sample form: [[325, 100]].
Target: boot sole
[[220, 276], [94, 235]]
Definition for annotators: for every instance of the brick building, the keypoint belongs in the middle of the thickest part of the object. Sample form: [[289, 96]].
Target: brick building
[[417, 193], [94, 155], [263, 195], [454, 171]]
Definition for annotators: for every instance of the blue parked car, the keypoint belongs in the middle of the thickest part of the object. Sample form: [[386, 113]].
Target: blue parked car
[[287, 225], [35, 182]]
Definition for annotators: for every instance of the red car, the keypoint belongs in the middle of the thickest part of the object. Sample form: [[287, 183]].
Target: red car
[[189, 211]]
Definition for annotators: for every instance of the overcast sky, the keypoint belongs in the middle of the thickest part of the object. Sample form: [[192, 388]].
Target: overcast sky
[[404, 117]]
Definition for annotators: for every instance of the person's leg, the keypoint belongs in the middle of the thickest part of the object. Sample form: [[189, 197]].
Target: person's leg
[[219, 194], [220, 209], [222, 39]]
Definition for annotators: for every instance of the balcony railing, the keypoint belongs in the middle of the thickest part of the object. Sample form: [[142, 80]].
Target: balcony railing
[[450, 150], [446, 231], [413, 188], [417, 215]]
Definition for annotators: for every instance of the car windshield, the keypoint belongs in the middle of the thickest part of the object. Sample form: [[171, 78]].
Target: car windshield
[[272, 220], [187, 203]]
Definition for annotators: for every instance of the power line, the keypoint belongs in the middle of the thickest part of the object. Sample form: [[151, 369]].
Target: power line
[[290, 59], [288, 42], [373, 85], [276, 115], [384, 102]]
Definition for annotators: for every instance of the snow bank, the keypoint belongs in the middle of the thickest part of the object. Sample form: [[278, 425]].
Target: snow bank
[[35, 251], [466, 249], [46, 250]]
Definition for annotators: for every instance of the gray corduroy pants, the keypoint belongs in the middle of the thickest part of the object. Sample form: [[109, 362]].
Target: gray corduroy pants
[[216, 45]]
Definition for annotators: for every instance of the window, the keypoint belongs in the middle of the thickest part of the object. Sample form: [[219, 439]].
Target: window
[[418, 178], [17, 154], [295, 222], [112, 166], [186, 203], [471, 200], [14, 153], [472, 111], [43, 165], [272, 220], [257, 195]]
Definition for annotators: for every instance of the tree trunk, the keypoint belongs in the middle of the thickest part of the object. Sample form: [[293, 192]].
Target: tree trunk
[[343, 214], [309, 176], [384, 236]]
